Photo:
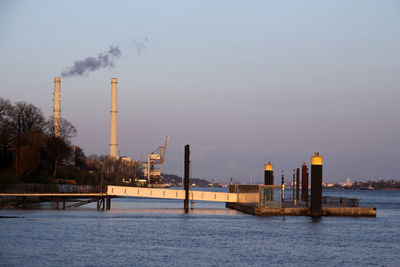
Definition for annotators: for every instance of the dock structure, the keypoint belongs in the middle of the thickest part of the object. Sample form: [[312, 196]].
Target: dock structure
[[125, 191], [260, 200], [77, 199], [257, 200]]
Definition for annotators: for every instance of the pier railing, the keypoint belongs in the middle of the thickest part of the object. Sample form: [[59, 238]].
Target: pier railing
[[339, 201], [48, 188], [275, 196]]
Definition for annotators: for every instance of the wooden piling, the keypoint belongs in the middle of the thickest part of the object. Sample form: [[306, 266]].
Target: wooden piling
[[186, 178], [297, 184], [304, 182], [294, 187], [108, 205]]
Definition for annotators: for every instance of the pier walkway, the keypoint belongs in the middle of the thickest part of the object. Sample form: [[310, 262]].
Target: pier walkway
[[125, 191]]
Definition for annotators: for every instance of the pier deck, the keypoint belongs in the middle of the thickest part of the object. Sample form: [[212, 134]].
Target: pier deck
[[125, 191], [304, 211]]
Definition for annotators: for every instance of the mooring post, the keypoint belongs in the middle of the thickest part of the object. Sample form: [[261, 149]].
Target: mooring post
[[268, 180], [63, 203], [294, 187], [304, 182], [57, 203], [186, 178], [316, 185], [108, 206], [282, 194], [297, 184]]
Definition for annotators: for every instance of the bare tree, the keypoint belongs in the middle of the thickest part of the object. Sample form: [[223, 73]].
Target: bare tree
[[24, 120], [67, 130], [59, 147], [5, 133]]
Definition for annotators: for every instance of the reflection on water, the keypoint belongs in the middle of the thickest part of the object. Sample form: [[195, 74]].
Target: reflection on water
[[179, 211], [154, 232]]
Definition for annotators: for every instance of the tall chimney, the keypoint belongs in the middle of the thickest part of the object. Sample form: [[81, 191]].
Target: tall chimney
[[57, 106], [113, 123]]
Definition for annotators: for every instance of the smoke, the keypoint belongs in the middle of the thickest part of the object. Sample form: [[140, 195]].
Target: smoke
[[89, 64], [139, 44]]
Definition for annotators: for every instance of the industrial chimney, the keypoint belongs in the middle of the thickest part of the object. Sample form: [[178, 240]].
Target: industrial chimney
[[57, 106], [113, 122]]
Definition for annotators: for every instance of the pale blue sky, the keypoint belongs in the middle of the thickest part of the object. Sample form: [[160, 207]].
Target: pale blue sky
[[242, 82]]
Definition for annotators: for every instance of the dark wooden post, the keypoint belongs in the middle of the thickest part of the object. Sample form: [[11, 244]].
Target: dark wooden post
[[316, 185], [294, 187], [297, 184], [63, 203], [304, 182], [186, 178], [108, 206], [282, 194]]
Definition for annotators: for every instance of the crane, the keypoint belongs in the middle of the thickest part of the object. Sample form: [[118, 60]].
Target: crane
[[152, 168]]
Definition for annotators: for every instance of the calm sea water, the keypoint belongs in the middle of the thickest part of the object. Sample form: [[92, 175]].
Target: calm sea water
[[150, 232]]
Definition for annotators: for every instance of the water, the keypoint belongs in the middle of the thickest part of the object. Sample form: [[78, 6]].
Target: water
[[150, 232]]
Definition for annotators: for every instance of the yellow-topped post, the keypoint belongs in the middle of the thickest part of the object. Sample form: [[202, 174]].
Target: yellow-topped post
[[268, 174], [268, 180], [316, 185]]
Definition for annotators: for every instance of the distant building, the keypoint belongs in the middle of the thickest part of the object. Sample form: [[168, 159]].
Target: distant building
[[348, 182]]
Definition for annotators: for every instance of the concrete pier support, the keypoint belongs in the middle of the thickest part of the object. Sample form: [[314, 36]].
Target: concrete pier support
[[316, 185]]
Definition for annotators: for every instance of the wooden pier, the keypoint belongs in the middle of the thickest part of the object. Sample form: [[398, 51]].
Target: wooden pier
[[125, 191], [61, 199], [252, 199]]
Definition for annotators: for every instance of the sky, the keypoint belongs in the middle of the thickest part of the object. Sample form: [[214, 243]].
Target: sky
[[241, 82]]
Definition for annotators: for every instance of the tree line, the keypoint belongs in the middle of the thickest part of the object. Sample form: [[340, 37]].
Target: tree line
[[30, 152]]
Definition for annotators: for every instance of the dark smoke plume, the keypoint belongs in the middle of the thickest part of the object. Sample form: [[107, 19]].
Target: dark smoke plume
[[89, 64]]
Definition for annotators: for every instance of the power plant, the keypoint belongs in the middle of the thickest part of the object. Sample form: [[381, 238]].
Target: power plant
[[151, 168], [113, 120], [57, 106]]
